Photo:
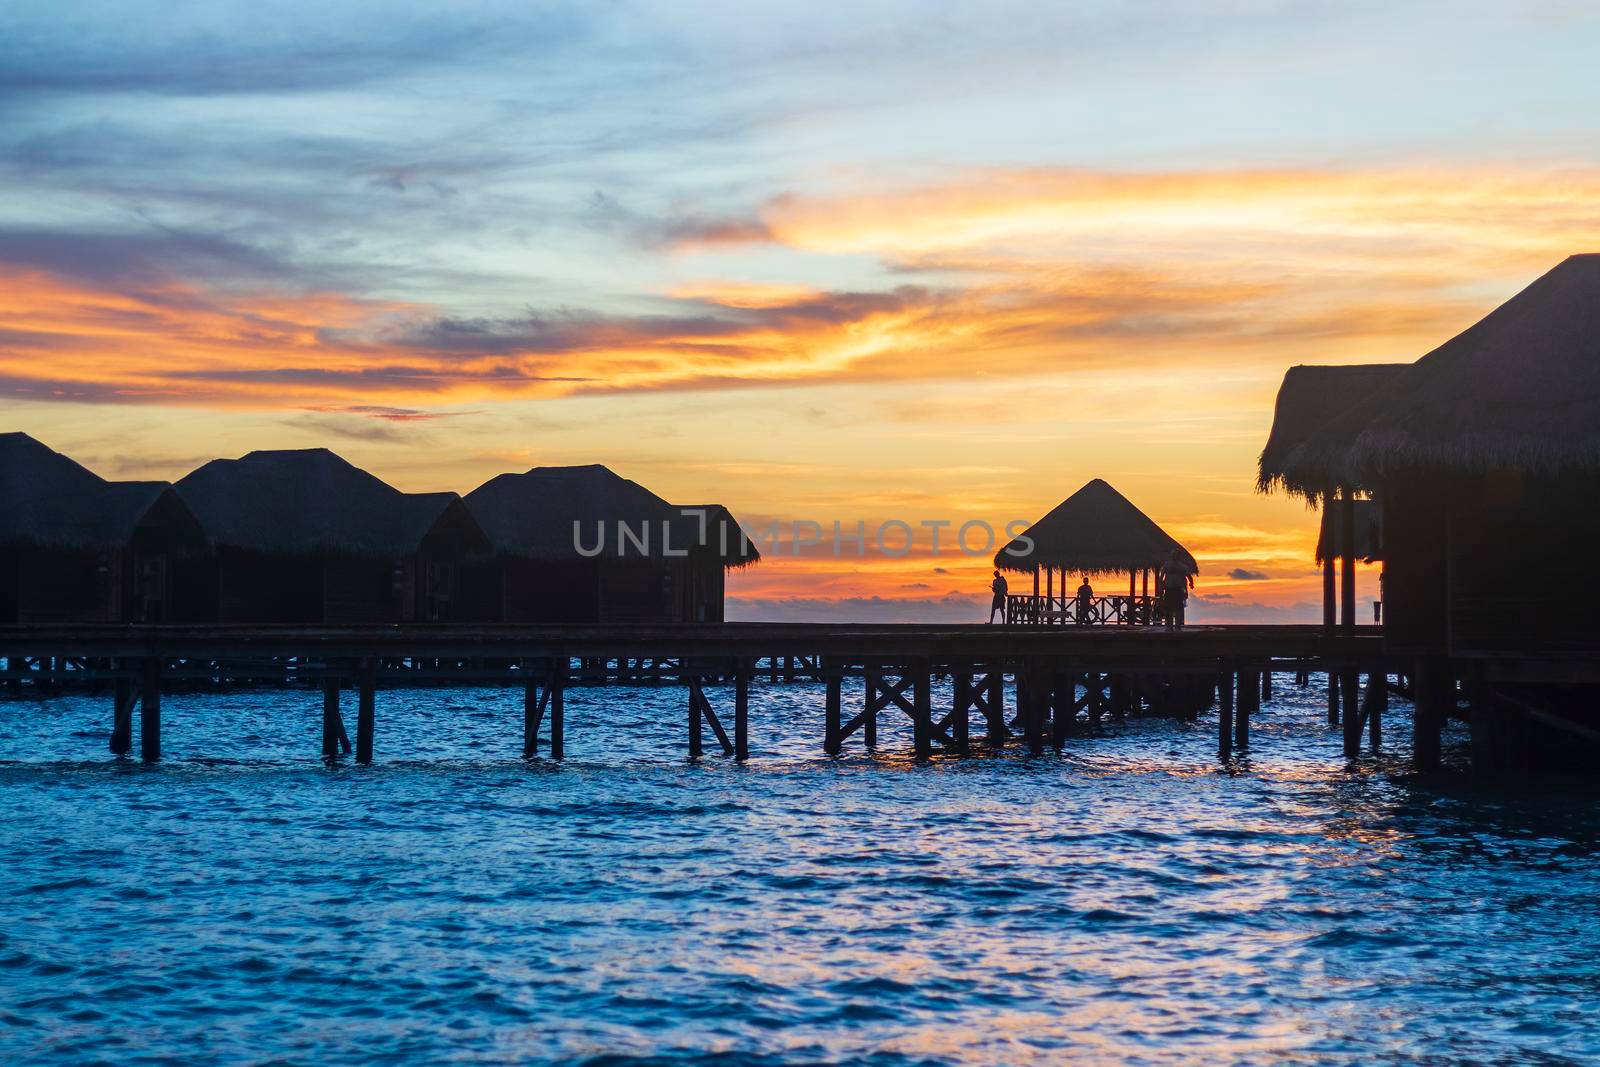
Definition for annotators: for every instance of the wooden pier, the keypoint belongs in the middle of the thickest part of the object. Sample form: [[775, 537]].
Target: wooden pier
[[1065, 680]]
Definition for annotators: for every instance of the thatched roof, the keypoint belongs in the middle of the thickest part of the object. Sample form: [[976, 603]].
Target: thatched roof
[[1313, 400], [1520, 389], [307, 501], [1095, 530], [49, 501], [533, 514], [722, 534]]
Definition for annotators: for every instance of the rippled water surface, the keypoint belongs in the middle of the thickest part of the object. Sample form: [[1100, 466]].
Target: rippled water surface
[[1126, 900]]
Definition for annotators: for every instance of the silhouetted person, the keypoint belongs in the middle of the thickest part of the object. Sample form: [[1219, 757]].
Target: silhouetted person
[[1175, 584], [1000, 587], [1085, 601]]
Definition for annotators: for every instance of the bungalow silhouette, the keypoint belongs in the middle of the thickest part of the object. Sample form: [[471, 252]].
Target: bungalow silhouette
[[303, 536], [75, 547], [1485, 458], [582, 544]]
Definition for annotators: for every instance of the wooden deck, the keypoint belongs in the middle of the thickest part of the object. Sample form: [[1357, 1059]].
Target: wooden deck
[[1062, 681]]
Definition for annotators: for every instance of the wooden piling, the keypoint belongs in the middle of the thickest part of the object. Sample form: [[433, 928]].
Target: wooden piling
[[1333, 697], [741, 711], [922, 699], [367, 709], [1266, 685], [995, 732], [1225, 715], [122, 701], [832, 743], [532, 709], [557, 684], [1350, 687], [1378, 691], [1246, 703], [1433, 687], [330, 717], [150, 712], [694, 723], [873, 694]]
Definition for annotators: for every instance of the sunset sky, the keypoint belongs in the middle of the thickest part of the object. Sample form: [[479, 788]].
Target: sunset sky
[[814, 261]]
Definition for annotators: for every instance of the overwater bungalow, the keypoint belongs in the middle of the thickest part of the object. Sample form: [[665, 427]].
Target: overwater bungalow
[[303, 536], [1485, 455], [585, 545], [1313, 401], [75, 547], [1095, 532]]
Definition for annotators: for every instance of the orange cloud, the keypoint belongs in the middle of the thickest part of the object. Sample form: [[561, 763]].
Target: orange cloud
[[1035, 272]]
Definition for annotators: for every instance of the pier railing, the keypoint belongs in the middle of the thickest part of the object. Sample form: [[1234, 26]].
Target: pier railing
[[1025, 609]]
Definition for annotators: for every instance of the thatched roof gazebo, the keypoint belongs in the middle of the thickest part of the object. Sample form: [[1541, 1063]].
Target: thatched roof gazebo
[[1094, 531], [74, 546], [303, 535]]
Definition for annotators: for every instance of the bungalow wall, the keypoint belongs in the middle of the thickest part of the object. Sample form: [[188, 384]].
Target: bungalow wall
[[49, 585], [1415, 531], [704, 587], [1489, 563], [1518, 563]]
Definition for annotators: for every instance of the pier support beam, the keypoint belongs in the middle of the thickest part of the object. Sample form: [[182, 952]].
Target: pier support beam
[[331, 726], [741, 710], [366, 709], [1225, 715], [1350, 686], [1433, 687], [1247, 703], [150, 712], [122, 701], [701, 711], [832, 737]]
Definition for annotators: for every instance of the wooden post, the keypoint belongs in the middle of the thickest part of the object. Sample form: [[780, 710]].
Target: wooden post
[[1330, 549], [1378, 689], [557, 684], [831, 742], [1064, 699], [530, 711], [122, 717], [1035, 706], [1433, 688], [1225, 715], [1036, 580], [1350, 685], [330, 716], [869, 726], [922, 700], [1333, 695], [741, 710], [150, 711], [1266, 685], [1245, 704], [694, 720], [367, 709], [995, 732], [1347, 580]]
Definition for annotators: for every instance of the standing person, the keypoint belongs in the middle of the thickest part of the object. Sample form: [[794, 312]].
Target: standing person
[[1000, 588], [1176, 581], [1085, 602]]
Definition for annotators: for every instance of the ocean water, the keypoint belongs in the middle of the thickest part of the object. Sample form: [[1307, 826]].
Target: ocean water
[[1129, 900]]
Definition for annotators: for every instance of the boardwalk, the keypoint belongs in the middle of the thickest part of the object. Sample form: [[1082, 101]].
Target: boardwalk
[[1062, 680]]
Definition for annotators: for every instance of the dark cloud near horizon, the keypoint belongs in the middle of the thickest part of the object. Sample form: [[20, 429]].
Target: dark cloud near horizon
[[1239, 574]]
